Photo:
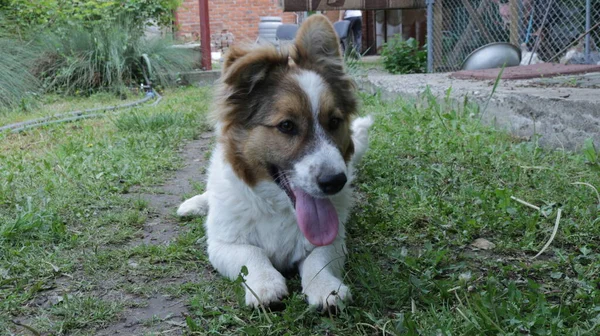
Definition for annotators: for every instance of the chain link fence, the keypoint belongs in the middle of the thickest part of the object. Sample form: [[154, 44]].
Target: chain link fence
[[548, 27]]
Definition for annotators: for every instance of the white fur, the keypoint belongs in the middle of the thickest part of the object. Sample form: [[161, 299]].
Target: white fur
[[256, 227], [195, 206], [312, 84], [325, 159]]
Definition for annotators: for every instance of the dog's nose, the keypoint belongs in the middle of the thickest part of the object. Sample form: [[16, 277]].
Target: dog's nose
[[332, 184]]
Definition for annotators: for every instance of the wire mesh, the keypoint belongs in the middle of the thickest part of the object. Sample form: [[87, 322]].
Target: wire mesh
[[548, 27]]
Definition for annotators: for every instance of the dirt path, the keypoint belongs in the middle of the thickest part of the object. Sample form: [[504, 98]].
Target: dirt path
[[163, 314]]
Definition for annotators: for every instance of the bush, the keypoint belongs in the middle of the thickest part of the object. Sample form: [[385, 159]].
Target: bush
[[404, 57], [31, 16], [88, 59]]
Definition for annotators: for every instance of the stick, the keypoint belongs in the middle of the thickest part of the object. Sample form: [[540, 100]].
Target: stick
[[552, 235], [572, 43], [525, 203], [538, 41]]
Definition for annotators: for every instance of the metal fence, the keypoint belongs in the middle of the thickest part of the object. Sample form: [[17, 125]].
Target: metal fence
[[548, 27]]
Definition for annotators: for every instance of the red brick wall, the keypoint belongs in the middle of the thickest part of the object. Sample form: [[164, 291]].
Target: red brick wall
[[240, 17]]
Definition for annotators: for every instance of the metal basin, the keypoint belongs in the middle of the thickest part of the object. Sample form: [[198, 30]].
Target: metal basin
[[493, 55]]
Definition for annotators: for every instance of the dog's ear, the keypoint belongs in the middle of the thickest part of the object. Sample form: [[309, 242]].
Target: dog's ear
[[234, 53], [317, 42], [244, 69], [317, 48]]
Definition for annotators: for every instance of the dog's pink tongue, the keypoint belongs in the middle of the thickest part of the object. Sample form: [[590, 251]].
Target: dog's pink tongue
[[316, 217]]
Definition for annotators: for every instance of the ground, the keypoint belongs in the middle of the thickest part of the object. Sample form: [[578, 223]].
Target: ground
[[90, 244]]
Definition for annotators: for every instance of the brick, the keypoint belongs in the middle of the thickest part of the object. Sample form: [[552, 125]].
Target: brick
[[241, 17]]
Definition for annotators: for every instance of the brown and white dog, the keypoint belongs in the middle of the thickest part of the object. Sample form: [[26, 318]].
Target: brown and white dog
[[278, 190]]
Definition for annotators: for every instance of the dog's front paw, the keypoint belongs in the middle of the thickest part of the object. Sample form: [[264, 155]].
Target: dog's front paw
[[195, 206], [265, 288], [327, 295]]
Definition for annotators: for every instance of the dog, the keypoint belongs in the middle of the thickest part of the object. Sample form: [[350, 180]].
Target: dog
[[278, 189]]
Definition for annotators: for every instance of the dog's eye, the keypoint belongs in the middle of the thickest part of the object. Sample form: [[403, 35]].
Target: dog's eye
[[334, 123], [287, 127]]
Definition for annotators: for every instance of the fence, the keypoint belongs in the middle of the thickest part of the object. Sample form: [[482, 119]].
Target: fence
[[545, 26]]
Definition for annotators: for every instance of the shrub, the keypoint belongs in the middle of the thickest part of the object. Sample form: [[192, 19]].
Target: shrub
[[88, 59], [404, 57], [27, 15], [16, 81]]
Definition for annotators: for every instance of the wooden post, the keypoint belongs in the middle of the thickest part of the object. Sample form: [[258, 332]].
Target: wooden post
[[205, 35]]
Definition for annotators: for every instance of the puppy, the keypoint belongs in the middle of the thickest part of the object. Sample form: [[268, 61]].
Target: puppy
[[278, 190]]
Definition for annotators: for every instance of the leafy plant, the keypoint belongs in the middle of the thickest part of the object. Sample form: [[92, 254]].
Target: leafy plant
[[28, 15], [591, 154], [404, 57], [112, 58]]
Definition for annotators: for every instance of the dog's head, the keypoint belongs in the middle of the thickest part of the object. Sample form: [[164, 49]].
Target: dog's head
[[288, 121]]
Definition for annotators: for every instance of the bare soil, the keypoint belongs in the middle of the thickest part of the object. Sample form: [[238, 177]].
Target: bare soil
[[160, 313]]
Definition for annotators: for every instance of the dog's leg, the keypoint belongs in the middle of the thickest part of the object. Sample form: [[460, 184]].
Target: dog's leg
[[321, 274], [263, 284], [360, 137], [195, 206]]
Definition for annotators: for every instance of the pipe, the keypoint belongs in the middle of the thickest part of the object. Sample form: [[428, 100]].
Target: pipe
[[588, 23], [430, 35], [205, 35]]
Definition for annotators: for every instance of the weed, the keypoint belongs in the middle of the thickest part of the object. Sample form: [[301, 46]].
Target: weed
[[404, 57]]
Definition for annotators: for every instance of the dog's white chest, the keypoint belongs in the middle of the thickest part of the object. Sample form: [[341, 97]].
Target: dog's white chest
[[261, 216]]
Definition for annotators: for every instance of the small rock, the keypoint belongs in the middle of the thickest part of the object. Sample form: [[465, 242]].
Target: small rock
[[55, 299], [483, 244]]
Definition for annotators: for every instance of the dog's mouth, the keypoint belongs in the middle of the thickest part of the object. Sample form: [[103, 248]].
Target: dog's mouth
[[316, 217], [283, 182]]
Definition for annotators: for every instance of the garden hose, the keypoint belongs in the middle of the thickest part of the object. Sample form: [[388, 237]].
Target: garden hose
[[85, 114], [76, 115]]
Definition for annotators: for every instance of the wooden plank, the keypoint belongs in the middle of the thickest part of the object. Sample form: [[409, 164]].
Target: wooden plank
[[438, 27], [514, 22], [322, 5]]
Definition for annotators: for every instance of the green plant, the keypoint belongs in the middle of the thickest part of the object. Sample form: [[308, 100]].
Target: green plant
[[89, 59], [403, 57], [16, 81], [34, 16]]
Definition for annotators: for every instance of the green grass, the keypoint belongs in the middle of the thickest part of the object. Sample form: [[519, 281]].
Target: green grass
[[53, 104], [62, 204], [433, 181]]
